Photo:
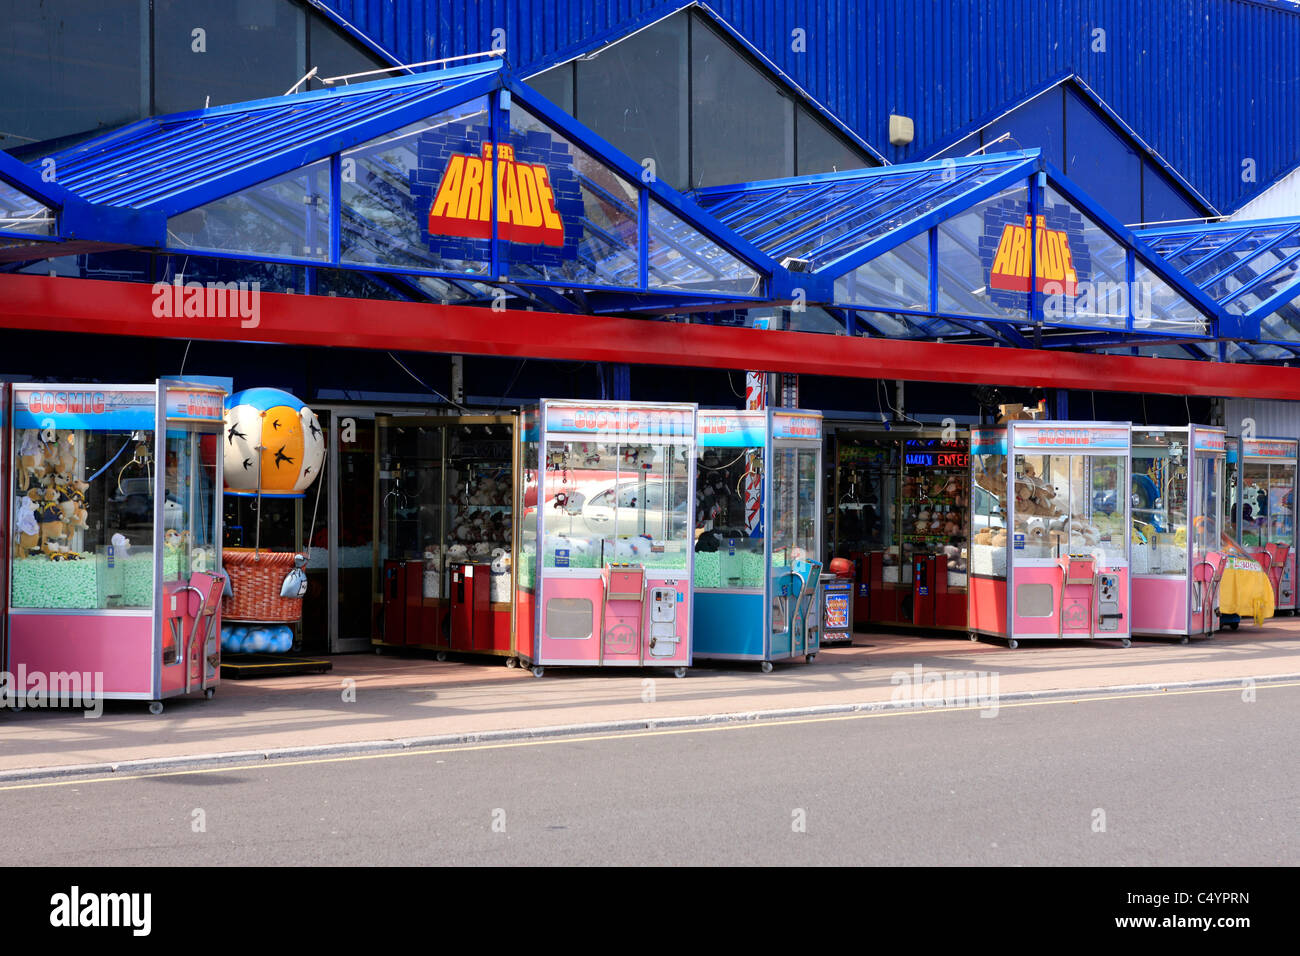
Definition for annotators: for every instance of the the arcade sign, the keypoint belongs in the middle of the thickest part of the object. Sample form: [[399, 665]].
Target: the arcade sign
[[1052, 264], [539, 203], [526, 212]]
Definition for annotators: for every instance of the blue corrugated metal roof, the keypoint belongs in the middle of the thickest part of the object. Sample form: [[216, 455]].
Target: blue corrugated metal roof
[[1209, 84]]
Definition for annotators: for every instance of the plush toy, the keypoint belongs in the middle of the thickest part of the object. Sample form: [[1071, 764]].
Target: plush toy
[[457, 554], [480, 550], [31, 459], [73, 502], [50, 517], [433, 558], [29, 530], [984, 537], [67, 452]]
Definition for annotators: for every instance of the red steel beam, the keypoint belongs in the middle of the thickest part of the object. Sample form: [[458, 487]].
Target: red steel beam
[[128, 308]]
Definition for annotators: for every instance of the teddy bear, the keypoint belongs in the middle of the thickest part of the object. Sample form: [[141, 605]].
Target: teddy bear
[[49, 516], [31, 459], [73, 503]]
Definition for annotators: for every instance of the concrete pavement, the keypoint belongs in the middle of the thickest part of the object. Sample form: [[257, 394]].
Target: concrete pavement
[[417, 697], [1186, 779]]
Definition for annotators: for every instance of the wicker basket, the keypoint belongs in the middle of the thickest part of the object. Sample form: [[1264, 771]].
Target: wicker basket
[[255, 580]]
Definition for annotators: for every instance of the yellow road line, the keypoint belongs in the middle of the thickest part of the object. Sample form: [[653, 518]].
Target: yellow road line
[[625, 735]]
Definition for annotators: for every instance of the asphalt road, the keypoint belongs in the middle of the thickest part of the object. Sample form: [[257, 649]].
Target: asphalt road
[[1199, 778]]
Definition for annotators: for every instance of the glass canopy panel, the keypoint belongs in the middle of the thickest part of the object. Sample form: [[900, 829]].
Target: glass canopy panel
[[575, 221], [903, 326], [899, 279], [1157, 306], [838, 232], [19, 212], [1282, 325], [682, 258], [1267, 273], [391, 184], [1083, 272], [285, 217], [973, 278]]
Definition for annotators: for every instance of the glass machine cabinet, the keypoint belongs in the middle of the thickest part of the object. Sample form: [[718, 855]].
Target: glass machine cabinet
[[1265, 489], [115, 554], [1177, 508], [758, 535], [607, 505], [1050, 541]]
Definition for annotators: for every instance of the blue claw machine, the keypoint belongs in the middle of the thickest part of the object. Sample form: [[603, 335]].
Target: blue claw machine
[[758, 535]]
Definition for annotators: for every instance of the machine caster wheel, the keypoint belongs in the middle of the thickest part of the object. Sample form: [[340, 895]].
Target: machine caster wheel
[[679, 671], [1127, 643], [538, 671], [378, 649], [1233, 626], [1183, 639], [1013, 644], [972, 636], [765, 667], [809, 658], [441, 655], [512, 662], [209, 693], [155, 707]]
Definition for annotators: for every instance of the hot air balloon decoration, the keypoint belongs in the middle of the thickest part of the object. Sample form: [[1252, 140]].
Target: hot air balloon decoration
[[274, 444], [273, 448]]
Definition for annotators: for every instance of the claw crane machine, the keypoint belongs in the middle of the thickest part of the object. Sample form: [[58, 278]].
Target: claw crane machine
[[1049, 555], [116, 551], [758, 535], [1265, 511], [607, 503], [1177, 506]]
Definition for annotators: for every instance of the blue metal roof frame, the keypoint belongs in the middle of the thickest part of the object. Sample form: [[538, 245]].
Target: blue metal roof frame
[[169, 165], [88, 226], [1250, 267], [869, 213]]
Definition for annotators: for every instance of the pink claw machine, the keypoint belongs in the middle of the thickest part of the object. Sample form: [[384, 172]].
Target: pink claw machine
[[1266, 490], [1049, 556], [607, 506], [115, 552], [1177, 494]]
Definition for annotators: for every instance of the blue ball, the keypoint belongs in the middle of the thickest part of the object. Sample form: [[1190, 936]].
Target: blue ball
[[283, 638], [240, 633], [261, 638]]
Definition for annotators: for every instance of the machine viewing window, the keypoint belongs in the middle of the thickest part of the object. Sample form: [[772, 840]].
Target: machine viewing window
[[1069, 504], [989, 516], [1159, 495], [729, 539], [84, 519], [611, 502]]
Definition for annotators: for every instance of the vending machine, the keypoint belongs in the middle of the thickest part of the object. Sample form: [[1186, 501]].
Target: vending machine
[[115, 552], [1177, 491], [1050, 548], [1265, 511], [607, 504], [757, 537]]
